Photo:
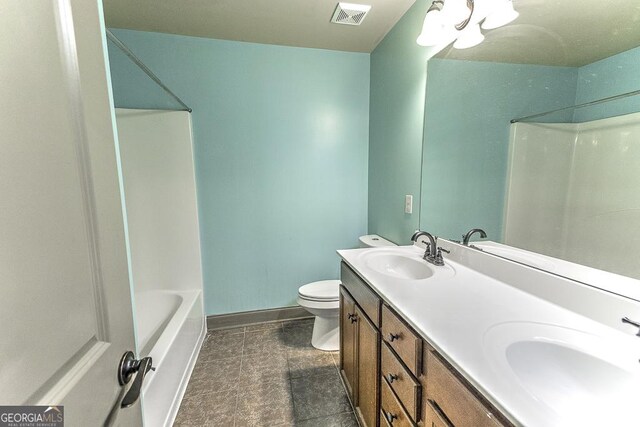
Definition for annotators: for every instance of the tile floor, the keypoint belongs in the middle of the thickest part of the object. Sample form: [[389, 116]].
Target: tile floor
[[265, 375]]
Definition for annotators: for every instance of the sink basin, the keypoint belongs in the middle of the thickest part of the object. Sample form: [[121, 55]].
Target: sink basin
[[568, 370], [571, 373], [399, 266]]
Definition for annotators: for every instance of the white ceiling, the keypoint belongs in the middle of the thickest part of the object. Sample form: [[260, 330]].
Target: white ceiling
[[303, 23], [559, 32]]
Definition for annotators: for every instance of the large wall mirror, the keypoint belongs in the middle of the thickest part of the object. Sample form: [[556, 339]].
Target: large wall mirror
[[503, 153]]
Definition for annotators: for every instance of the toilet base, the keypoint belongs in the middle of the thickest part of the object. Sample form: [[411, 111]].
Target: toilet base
[[326, 333]]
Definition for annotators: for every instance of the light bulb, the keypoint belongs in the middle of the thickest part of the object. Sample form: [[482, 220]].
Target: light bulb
[[434, 29], [501, 15], [469, 37], [455, 11]]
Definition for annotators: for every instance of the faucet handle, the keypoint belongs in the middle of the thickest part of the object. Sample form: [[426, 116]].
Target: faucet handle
[[632, 322], [427, 251], [438, 258]]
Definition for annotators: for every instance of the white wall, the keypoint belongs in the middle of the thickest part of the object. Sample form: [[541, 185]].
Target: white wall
[[160, 196], [574, 192]]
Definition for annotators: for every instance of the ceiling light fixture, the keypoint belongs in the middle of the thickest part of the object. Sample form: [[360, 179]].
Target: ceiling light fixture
[[459, 12], [434, 26], [448, 20], [469, 37], [501, 15]]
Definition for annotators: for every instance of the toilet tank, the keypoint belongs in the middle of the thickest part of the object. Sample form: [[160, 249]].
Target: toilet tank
[[374, 241]]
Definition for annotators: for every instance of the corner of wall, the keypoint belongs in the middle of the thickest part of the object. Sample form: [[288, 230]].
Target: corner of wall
[[396, 117]]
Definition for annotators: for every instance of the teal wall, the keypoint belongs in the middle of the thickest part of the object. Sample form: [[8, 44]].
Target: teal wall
[[398, 75], [608, 77], [468, 111], [281, 143]]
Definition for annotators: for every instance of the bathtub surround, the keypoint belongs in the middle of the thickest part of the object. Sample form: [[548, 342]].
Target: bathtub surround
[[156, 157], [162, 210], [281, 142], [550, 205]]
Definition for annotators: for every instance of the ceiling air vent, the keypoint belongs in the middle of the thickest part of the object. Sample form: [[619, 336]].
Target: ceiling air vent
[[350, 14]]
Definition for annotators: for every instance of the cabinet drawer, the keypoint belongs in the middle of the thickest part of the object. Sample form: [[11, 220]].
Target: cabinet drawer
[[433, 417], [406, 343], [458, 403], [401, 381], [391, 411], [360, 291]]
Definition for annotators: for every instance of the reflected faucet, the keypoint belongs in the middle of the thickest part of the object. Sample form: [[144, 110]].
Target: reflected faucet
[[430, 252], [467, 237]]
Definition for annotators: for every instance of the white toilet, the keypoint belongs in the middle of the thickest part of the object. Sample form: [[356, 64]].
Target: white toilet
[[322, 300]]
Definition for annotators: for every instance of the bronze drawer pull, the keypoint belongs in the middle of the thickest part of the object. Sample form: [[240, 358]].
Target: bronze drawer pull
[[389, 416], [391, 378], [393, 337], [352, 317]]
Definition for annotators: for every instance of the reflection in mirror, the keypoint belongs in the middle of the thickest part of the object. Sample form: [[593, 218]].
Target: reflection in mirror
[[565, 183]]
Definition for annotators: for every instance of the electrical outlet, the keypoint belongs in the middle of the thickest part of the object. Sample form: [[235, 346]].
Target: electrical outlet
[[408, 204]]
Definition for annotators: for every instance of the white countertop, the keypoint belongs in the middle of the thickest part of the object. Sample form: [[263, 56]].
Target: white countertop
[[472, 318]]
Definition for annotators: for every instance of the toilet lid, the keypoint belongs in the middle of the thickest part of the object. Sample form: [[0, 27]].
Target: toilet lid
[[324, 290]]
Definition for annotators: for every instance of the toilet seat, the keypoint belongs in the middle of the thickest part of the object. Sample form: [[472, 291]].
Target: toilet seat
[[321, 291]]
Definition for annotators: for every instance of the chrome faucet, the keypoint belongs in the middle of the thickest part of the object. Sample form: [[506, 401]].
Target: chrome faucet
[[430, 252], [467, 237], [633, 323]]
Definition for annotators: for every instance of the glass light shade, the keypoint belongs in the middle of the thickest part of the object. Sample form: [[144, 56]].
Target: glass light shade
[[455, 11], [469, 37], [501, 15], [433, 30]]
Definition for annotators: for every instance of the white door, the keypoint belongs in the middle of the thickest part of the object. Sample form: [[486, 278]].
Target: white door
[[65, 302]]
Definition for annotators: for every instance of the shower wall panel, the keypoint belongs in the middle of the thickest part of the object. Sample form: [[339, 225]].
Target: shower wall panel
[[574, 192], [160, 195]]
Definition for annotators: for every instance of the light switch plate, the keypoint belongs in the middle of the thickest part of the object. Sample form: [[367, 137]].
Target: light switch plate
[[408, 204]]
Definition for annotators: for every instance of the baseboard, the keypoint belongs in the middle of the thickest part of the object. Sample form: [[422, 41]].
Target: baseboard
[[235, 320]]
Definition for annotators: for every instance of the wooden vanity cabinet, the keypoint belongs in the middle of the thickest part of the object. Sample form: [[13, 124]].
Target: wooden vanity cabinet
[[402, 339], [392, 413], [348, 335], [368, 370], [433, 417], [452, 399], [395, 378], [360, 346]]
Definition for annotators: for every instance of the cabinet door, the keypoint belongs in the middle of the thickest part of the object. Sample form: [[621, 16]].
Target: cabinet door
[[433, 417], [348, 343], [368, 372], [457, 400]]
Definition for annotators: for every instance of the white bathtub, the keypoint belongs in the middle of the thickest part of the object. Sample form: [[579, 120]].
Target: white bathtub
[[170, 328]]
